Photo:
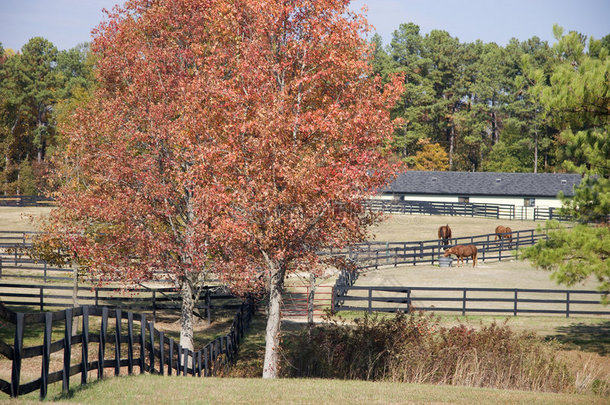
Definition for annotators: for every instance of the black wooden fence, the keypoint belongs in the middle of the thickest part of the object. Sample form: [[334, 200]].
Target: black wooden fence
[[468, 300], [25, 201], [375, 254], [147, 349], [45, 296], [544, 214], [481, 210], [497, 211]]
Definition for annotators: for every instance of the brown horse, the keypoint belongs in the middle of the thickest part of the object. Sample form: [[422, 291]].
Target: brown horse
[[504, 232], [444, 233], [462, 251]]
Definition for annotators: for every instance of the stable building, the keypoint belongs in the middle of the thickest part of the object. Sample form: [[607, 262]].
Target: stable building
[[525, 191]]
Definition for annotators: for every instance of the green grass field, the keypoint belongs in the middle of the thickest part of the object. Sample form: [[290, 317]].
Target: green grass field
[[187, 390], [587, 340]]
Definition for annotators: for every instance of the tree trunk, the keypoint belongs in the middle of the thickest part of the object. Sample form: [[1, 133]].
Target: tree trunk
[[495, 134], [272, 334], [451, 145], [310, 300], [186, 316], [535, 150]]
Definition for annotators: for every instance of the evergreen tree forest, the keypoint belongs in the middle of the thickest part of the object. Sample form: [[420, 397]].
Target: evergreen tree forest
[[39, 87], [484, 107], [528, 106]]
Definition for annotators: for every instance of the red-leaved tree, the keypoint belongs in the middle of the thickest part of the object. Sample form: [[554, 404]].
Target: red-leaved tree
[[307, 146], [233, 138]]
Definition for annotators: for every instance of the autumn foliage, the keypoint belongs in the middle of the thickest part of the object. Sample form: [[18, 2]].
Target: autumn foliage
[[231, 139]]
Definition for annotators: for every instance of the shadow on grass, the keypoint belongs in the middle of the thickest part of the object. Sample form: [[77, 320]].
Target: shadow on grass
[[586, 337]]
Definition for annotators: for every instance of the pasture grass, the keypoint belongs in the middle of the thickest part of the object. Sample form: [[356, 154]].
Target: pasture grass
[[21, 218], [403, 228], [152, 389]]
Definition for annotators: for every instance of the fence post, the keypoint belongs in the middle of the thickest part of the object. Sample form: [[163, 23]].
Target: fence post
[[395, 257], [206, 361], [464, 302], [515, 300], [208, 306], [142, 343], [45, 272], [65, 387], [161, 353], [170, 360], [18, 344], [199, 363], [376, 259], [370, 300], [178, 358], [154, 304], [102, 345], [117, 342], [46, 353], [408, 301], [130, 342], [151, 335], [567, 304], [85, 346], [41, 299]]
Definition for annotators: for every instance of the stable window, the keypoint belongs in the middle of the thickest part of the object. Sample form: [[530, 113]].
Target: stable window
[[464, 199], [529, 202]]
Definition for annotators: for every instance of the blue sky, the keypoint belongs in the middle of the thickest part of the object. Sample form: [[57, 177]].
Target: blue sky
[[67, 23]]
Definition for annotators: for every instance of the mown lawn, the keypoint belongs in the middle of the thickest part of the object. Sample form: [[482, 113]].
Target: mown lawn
[[148, 389]]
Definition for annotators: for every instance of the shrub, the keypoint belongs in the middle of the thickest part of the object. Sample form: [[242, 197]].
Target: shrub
[[413, 348]]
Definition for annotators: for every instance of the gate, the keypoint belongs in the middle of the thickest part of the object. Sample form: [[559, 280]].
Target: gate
[[295, 301]]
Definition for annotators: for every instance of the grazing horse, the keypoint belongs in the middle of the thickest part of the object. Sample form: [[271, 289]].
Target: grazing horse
[[462, 251], [504, 232], [444, 233]]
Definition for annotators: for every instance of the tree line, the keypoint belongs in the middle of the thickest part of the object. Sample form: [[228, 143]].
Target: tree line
[[39, 86], [465, 106], [483, 107]]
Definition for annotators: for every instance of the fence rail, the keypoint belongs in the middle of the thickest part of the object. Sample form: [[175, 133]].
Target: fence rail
[[482, 210], [25, 201], [469, 300], [375, 254], [157, 353], [46, 296], [497, 211]]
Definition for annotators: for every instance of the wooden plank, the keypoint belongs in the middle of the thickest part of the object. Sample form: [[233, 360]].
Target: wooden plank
[[161, 353], [151, 336], [44, 373], [170, 360], [65, 387], [102, 344], [17, 347], [142, 342], [117, 342], [130, 342], [85, 346]]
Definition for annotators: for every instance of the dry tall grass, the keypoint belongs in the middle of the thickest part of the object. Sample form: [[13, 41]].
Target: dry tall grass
[[415, 349]]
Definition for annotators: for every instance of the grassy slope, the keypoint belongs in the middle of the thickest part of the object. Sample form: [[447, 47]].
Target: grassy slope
[[162, 390]]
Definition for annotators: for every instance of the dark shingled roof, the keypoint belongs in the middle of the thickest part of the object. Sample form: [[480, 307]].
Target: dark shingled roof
[[484, 183]]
